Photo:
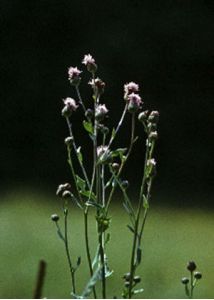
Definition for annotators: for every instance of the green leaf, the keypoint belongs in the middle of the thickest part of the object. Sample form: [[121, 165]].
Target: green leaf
[[88, 194], [118, 152], [79, 154], [81, 183], [89, 287], [145, 202], [96, 257], [88, 126]]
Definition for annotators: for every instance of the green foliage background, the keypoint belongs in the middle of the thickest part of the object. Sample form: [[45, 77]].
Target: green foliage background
[[172, 237]]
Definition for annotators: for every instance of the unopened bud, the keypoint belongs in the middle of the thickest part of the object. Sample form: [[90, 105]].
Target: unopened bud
[[125, 184], [126, 276], [154, 117], [197, 275], [191, 266], [127, 283], [66, 194], [153, 136], [55, 217], [142, 117], [61, 188], [137, 279], [185, 280], [89, 113], [115, 167], [68, 141]]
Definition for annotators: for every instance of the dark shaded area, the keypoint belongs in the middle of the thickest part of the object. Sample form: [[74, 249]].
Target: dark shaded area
[[166, 46]]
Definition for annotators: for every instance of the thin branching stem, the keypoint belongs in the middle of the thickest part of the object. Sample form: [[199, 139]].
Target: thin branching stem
[[80, 98], [123, 162], [118, 126], [72, 271], [75, 150]]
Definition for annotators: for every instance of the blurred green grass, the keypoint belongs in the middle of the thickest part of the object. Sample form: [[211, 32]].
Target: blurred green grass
[[172, 237]]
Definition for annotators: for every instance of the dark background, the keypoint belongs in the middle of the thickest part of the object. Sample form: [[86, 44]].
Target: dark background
[[165, 46]]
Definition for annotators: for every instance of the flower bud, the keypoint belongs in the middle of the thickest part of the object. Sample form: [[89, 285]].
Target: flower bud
[[126, 276], [197, 275], [103, 155], [61, 188], [54, 217], [100, 112], [131, 87], [185, 280], [191, 266], [89, 114], [154, 116], [151, 167], [69, 108], [137, 279], [127, 283], [134, 102], [98, 85], [73, 76], [66, 194], [153, 136], [142, 117], [68, 141], [125, 184], [89, 61], [115, 167]]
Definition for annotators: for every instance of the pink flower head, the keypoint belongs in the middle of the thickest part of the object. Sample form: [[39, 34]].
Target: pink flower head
[[101, 150], [97, 84], [134, 102], [88, 60], [70, 103], [73, 73], [135, 99], [101, 112], [131, 87]]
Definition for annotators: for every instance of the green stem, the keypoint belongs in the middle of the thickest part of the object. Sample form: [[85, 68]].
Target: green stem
[[76, 152], [72, 271], [123, 162], [80, 98], [191, 285], [88, 247], [73, 173], [102, 259], [118, 126]]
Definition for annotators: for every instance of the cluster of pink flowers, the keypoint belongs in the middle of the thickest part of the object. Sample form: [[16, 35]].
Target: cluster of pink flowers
[[130, 95]]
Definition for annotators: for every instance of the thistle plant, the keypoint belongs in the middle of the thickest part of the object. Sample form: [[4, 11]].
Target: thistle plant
[[95, 189]]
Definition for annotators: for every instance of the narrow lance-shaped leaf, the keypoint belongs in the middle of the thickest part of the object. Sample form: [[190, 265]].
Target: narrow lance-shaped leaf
[[79, 154]]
